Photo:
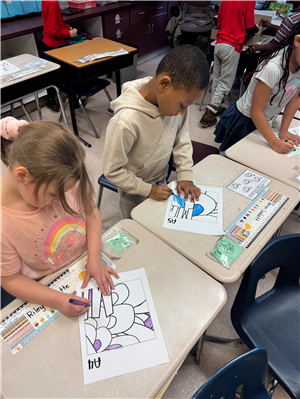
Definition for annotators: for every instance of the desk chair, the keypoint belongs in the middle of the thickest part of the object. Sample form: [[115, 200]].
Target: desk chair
[[192, 31], [273, 319], [200, 151], [87, 89], [248, 372]]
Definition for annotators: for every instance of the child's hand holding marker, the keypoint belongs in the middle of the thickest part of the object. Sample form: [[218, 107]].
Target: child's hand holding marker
[[287, 141], [71, 305], [160, 192]]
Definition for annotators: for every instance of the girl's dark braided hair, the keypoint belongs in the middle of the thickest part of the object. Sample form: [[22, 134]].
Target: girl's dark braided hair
[[287, 45]]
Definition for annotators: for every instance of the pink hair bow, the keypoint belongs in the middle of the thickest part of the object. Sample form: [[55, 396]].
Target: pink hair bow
[[9, 127]]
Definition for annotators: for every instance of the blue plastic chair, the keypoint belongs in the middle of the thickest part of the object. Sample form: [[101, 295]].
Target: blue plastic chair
[[200, 151], [249, 370], [273, 319]]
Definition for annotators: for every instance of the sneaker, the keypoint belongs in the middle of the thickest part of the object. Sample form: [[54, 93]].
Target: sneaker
[[52, 104], [208, 119], [216, 110]]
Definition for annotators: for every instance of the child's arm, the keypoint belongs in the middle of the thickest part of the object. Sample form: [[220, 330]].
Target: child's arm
[[30, 290], [96, 267], [259, 101], [182, 153], [288, 114], [54, 15]]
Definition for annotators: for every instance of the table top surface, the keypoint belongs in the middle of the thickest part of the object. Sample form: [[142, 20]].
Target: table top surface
[[186, 301], [266, 160], [19, 60], [215, 171], [71, 54]]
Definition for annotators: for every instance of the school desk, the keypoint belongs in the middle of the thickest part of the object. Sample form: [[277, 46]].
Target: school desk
[[215, 171], [186, 301], [254, 152], [17, 89], [68, 58]]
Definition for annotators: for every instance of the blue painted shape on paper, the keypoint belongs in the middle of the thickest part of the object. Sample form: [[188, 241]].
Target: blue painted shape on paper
[[198, 209], [179, 200]]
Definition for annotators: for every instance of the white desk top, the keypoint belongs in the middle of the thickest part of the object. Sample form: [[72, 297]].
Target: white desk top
[[186, 301], [18, 61], [215, 171], [256, 153]]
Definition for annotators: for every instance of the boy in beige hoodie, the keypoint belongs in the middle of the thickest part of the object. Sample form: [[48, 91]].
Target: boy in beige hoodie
[[150, 123]]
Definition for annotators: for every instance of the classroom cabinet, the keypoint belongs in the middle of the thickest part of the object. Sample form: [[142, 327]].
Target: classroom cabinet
[[116, 26], [170, 4], [148, 24]]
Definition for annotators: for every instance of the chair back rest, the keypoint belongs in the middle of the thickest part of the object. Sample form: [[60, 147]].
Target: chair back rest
[[281, 252], [196, 3], [249, 370]]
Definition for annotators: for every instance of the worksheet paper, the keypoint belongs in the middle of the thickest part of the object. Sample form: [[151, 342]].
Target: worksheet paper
[[203, 217], [7, 68], [249, 184], [293, 130], [120, 333]]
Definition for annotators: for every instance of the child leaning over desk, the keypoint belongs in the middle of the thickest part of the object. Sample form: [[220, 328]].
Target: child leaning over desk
[[150, 123], [48, 216], [274, 85]]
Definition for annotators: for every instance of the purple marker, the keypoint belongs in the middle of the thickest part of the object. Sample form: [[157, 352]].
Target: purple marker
[[76, 302]]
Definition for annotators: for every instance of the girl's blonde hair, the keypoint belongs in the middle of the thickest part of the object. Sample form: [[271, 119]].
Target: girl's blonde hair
[[51, 153]]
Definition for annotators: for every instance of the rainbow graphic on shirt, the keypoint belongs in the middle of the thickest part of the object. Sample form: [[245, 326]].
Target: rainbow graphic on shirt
[[290, 89], [66, 228]]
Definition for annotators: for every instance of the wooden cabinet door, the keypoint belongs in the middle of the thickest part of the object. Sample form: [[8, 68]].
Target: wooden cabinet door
[[141, 36], [158, 32]]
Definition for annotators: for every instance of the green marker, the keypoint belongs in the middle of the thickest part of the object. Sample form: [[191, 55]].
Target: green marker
[[294, 149]]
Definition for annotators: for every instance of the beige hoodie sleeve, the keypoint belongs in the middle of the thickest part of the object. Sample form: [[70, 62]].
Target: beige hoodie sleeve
[[118, 143], [183, 151]]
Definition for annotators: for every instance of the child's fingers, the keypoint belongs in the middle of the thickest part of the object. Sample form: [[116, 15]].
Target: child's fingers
[[86, 280], [179, 189], [186, 194], [103, 284], [111, 271]]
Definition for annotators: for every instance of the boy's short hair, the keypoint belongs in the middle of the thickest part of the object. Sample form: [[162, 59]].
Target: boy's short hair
[[187, 68]]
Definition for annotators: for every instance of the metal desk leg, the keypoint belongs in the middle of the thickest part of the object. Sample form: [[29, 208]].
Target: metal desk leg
[[38, 106], [61, 105], [118, 82], [197, 350], [25, 111], [224, 341], [73, 116]]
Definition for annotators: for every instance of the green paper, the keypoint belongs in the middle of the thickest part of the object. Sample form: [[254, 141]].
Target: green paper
[[226, 251], [119, 242]]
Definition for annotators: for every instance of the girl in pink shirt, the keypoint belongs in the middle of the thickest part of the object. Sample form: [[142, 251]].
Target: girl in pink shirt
[[48, 217]]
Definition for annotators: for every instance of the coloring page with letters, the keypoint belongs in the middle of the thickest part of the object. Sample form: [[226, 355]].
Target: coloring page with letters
[[120, 333], [203, 217]]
